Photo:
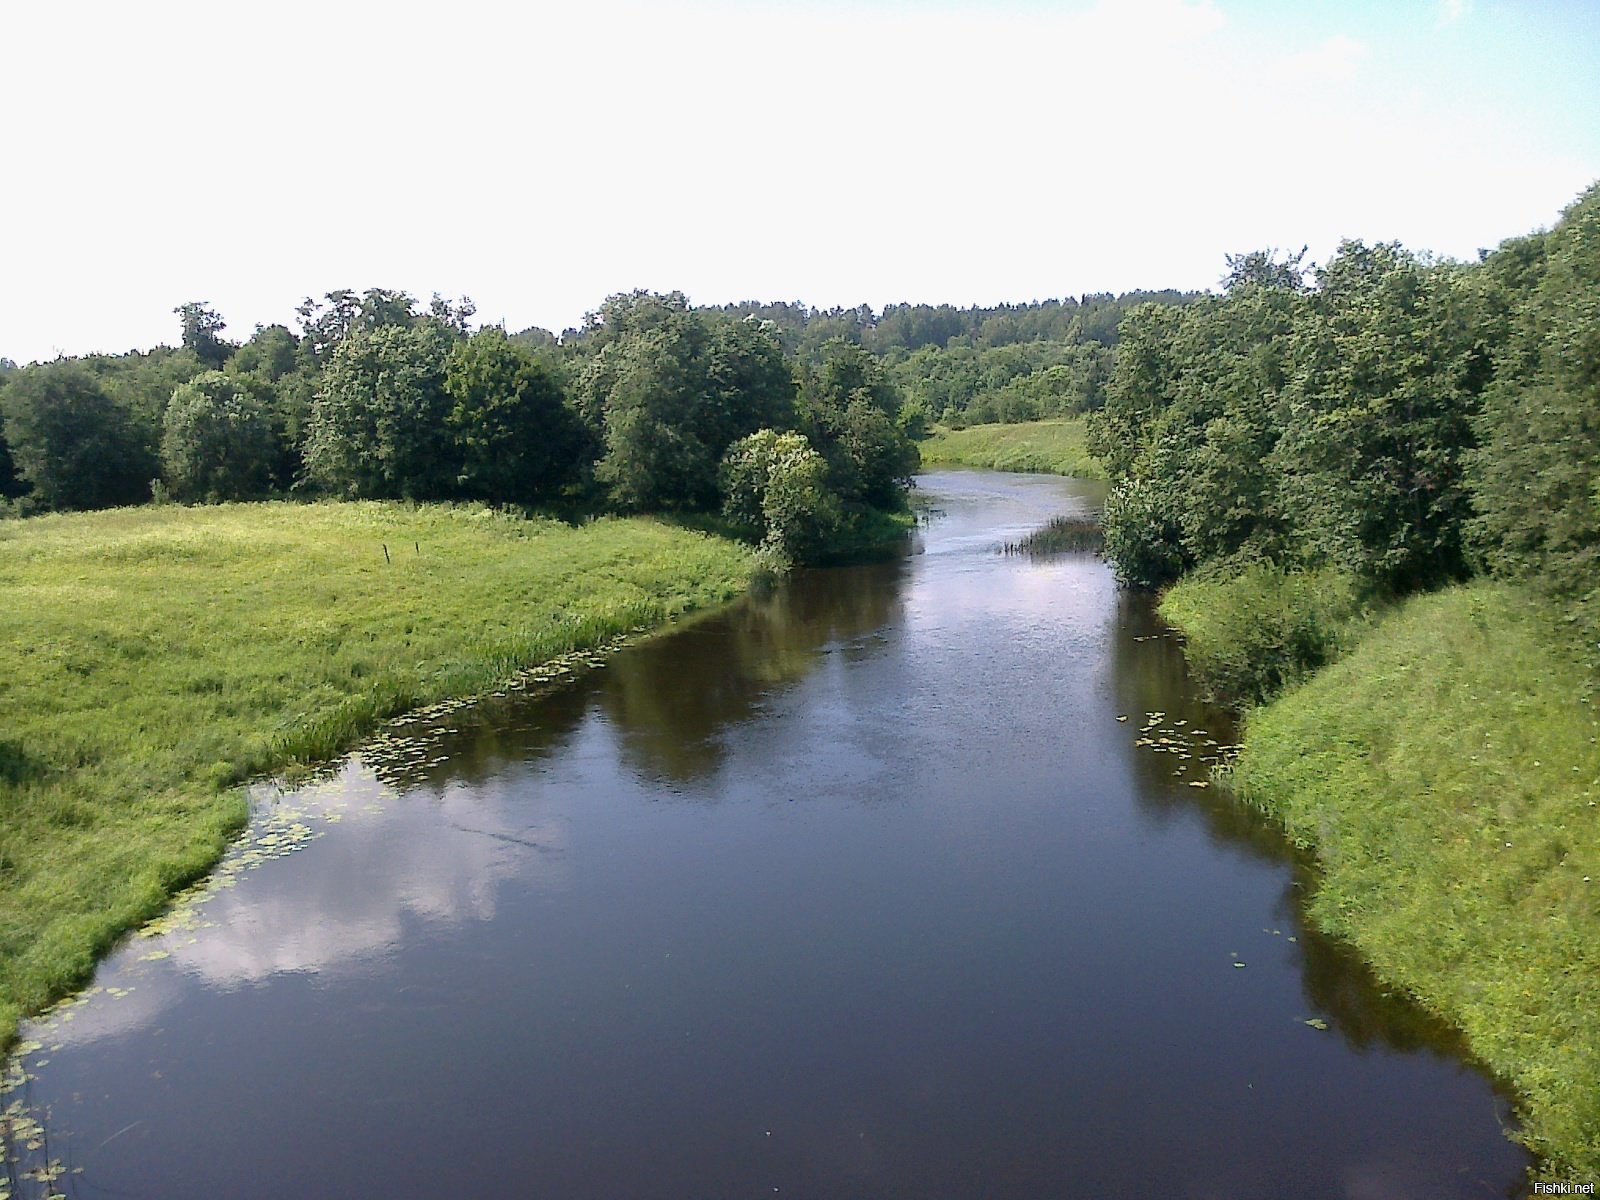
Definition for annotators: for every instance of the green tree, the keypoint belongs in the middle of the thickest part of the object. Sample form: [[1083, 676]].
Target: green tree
[[74, 445], [11, 484], [775, 488], [1379, 419], [218, 442], [202, 328], [516, 439], [454, 315], [379, 422], [1194, 409], [342, 314], [286, 378], [669, 390], [1536, 478], [847, 411]]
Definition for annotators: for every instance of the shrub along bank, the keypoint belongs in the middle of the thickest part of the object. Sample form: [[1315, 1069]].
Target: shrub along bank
[[154, 658]]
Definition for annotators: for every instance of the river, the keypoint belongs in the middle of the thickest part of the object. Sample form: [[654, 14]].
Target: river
[[897, 881]]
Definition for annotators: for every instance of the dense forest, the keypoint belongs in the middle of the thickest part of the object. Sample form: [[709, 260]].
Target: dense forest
[[1377, 426]]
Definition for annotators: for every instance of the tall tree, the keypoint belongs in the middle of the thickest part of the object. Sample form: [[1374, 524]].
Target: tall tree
[[848, 405], [202, 328], [516, 439], [1536, 478], [71, 442], [379, 423], [286, 379], [670, 390], [218, 440], [1380, 409]]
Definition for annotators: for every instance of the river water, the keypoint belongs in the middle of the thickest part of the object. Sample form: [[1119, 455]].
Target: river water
[[892, 883]]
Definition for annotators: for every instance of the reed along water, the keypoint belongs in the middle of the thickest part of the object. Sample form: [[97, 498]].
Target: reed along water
[[897, 881]]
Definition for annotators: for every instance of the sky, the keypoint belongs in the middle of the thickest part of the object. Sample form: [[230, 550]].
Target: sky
[[540, 156]]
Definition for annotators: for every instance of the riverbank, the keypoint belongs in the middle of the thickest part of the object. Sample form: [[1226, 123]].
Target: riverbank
[[155, 658], [1445, 772], [1056, 447]]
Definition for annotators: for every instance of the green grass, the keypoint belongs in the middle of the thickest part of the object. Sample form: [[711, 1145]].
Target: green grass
[[1446, 773], [1054, 447], [1252, 632], [152, 658]]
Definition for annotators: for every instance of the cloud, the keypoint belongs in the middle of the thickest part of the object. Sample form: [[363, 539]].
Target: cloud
[[1452, 11], [1335, 61]]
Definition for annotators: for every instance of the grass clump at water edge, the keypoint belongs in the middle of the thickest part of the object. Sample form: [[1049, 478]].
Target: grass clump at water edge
[[153, 658], [1250, 633]]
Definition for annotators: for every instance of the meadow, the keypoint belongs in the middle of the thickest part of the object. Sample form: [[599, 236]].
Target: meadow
[[1056, 447], [153, 659]]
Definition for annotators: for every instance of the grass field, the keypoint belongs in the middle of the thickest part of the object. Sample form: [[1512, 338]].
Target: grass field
[[1445, 771], [152, 658], [1054, 447]]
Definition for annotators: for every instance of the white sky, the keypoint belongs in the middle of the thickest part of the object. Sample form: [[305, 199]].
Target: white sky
[[541, 156]]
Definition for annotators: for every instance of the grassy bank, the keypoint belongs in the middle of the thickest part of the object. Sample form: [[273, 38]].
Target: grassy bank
[[151, 658], [1055, 447], [1445, 771], [1250, 634]]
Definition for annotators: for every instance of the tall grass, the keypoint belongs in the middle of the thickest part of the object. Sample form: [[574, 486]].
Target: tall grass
[[1253, 632], [1076, 534], [1446, 773], [152, 658], [1055, 447]]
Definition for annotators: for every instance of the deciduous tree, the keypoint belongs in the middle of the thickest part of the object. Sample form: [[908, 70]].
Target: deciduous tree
[[74, 445], [218, 442]]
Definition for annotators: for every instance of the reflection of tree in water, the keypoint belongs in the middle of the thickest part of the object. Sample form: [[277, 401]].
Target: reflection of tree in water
[[671, 699], [474, 743], [1152, 677]]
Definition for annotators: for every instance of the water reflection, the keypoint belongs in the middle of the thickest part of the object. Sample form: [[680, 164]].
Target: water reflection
[[1338, 985], [672, 699], [858, 888]]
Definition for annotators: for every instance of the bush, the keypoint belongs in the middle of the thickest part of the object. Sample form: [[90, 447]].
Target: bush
[[1254, 633], [775, 488], [1143, 540]]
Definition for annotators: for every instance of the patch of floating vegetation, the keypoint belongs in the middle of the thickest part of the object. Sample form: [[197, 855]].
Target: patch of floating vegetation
[[29, 1168], [1191, 747]]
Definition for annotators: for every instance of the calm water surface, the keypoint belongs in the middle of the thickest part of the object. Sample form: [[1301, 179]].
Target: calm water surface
[[860, 889]]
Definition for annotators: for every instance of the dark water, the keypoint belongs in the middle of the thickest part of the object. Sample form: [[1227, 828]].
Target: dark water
[[861, 889]]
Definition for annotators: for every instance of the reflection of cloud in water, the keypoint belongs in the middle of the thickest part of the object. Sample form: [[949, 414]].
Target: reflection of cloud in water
[[381, 865]]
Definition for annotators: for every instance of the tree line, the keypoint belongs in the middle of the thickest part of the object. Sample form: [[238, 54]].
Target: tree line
[[976, 365], [1402, 421], [654, 406]]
